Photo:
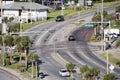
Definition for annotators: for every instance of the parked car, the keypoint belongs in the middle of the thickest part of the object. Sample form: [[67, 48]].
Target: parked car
[[59, 18], [71, 38], [64, 72]]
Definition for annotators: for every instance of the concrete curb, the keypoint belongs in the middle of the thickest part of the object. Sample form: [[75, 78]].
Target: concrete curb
[[62, 61], [13, 73]]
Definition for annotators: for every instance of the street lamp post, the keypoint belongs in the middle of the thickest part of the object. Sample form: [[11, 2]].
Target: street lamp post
[[62, 6], [20, 27], [3, 51], [107, 61], [109, 31], [102, 26]]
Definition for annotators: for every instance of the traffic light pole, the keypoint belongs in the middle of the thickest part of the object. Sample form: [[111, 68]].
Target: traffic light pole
[[108, 22]]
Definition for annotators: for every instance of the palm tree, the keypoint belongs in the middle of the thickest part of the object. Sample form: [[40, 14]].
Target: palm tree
[[83, 70], [8, 40], [89, 73], [109, 76], [94, 72], [1, 42], [23, 43], [70, 67], [32, 58], [14, 28]]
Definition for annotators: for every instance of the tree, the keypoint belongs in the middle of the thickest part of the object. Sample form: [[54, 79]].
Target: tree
[[1, 42], [23, 43], [11, 19], [118, 63], [83, 70], [14, 27], [118, 9], [70, 67], [8, 40], [117, 22], [105, 13], [109, 76], [32, 57], [94, 72], [5, 19], [89, 73], [117, 43], [96, 17], [109, 17]]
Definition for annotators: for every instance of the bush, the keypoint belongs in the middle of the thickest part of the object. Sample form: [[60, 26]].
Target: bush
[[11, 19], [72, 78], [16, 58], [117, 43], [118, 63], [7, 61], [21, 67]]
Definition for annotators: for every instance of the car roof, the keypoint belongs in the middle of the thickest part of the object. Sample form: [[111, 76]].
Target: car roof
[[62, 69]]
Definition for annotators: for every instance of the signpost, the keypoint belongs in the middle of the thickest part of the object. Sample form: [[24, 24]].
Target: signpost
[[111, 67]]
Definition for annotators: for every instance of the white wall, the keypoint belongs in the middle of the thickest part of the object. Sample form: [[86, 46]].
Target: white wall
[[112, 31], [10, 13], [35, 15], [40, 15]]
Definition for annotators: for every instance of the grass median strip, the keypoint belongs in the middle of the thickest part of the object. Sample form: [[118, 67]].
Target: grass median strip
[[111, 58]]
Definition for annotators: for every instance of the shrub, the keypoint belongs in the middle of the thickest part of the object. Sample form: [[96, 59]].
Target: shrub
[[7, 61], [118, 63], [21, 67], [72, 78]]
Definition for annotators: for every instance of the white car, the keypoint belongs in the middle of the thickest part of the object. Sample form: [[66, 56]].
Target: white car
[[64, 72]]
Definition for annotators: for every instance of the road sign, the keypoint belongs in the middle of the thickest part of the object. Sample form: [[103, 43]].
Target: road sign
[[89, 25]]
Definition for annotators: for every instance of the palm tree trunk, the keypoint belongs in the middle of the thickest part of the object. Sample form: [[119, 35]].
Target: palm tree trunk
[[10, 55], [95, 30], [71, 75], [32, 70], [26, 62], [20, 58]]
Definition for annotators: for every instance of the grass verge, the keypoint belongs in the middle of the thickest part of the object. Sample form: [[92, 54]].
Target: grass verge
[[111, 59]]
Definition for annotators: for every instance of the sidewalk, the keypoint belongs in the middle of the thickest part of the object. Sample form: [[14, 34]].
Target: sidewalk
[[15, 74]]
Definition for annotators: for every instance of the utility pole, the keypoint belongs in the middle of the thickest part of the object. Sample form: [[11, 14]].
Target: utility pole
[[62, 6], [102, 29], [36, 71], [3, 51]]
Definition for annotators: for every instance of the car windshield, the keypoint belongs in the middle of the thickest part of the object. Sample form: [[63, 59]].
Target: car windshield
[[63, 70]]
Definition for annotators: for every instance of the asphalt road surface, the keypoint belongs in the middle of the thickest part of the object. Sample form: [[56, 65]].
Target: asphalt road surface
[[79, 57], [6, 76]]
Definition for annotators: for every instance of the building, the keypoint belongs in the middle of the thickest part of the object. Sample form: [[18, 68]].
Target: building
[[25, 11]]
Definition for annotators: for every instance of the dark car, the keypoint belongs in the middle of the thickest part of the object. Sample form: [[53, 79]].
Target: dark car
[[59, 18], [71, 38]]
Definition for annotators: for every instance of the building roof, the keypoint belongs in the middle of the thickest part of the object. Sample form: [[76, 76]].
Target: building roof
[[26, 5]]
